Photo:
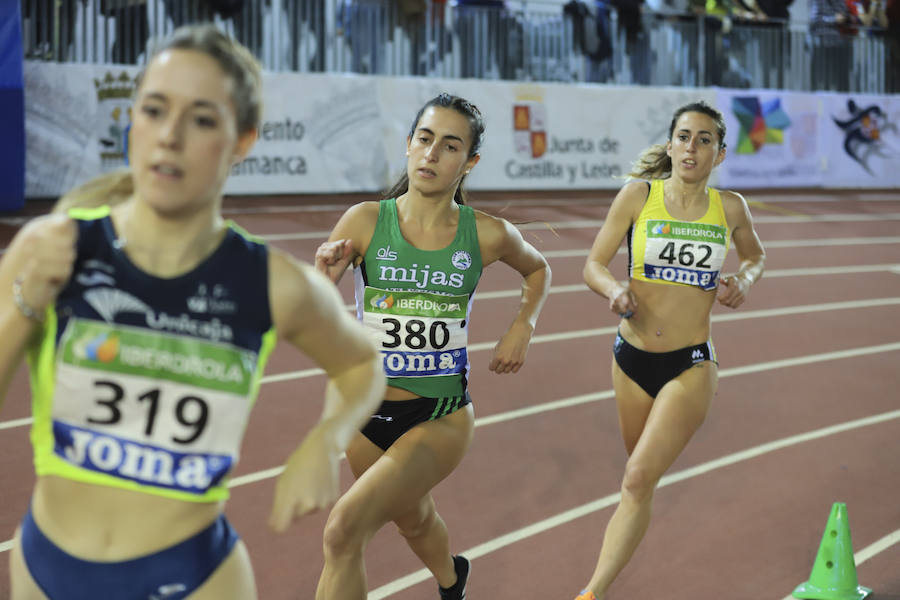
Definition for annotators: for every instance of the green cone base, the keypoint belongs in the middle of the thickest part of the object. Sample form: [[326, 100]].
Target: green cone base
[[807, 591]]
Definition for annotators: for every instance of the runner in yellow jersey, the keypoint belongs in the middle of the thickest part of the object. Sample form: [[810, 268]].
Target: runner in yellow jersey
[[664, 370]]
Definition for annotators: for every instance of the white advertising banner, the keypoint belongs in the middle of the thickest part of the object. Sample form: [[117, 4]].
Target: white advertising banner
[[75, 119], [549, 136], [544, 136], [319, 134], [556, 136], [347, 133], [861, 140], [772, 139]]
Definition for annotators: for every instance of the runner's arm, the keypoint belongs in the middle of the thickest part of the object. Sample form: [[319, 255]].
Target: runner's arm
[[33, 269]]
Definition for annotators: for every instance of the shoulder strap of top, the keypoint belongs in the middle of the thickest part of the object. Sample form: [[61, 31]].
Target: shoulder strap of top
[[89, 214], [715, 198], [387, 215]]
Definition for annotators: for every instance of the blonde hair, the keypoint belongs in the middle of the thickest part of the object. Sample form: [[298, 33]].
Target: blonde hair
[[110, 188], [655, 162], [235, 61]]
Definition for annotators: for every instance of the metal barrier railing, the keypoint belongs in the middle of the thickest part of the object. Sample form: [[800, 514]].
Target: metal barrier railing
[[521, 40]]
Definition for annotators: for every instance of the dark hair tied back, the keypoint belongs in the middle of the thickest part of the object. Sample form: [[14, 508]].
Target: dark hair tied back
[[476, 127]]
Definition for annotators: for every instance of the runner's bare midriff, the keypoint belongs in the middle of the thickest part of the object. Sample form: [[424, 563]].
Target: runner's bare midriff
[[668, 317], [395, 393], [101, 523]]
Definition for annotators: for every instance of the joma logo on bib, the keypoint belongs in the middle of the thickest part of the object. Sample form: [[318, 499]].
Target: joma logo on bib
[[703, 279], [425, 363], [144, 464], [421, 277]]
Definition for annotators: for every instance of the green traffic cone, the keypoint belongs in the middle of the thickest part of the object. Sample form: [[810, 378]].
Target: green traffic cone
[[833, 574]]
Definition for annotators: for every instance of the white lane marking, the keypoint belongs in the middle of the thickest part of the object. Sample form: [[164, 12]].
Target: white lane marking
[[771, 274], [495, 206], [595, 223], [666, 480], [887, 239], [15, 423], [768, 245], [583, 333], [591, 507]]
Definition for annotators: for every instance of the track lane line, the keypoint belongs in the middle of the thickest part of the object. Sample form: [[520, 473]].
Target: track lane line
[[562, 518], [603, 502], [593, 224], [717, 318], [774, 273], [583, 333], [810, 243], [850, 241]]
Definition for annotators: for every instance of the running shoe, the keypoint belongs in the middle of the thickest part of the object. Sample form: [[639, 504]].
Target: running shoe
[[458, 590]]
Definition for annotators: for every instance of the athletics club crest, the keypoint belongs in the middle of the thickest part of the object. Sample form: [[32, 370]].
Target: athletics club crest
[[114, 97], [530, 127]]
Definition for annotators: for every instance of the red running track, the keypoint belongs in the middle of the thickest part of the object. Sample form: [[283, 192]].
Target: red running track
[[806, 415]]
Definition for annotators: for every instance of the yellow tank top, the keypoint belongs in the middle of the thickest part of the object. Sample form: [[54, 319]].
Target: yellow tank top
[[663, 249]]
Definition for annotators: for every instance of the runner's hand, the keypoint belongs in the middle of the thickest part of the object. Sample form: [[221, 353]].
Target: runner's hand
[[44, 253], [733, 290], [509, 353], [332, 258], [310, 481], [622, 302]]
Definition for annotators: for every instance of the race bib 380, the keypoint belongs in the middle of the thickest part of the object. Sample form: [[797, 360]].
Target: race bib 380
[[421, 334]]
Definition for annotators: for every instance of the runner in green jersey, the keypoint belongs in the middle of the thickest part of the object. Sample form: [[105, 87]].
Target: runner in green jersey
[[417, 257]]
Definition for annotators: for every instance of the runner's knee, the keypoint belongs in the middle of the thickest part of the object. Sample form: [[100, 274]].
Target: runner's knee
[[417, 521], [343, 533], [639, 482]]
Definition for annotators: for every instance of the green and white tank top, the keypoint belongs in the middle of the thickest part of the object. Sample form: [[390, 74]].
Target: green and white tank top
[[416, 304]]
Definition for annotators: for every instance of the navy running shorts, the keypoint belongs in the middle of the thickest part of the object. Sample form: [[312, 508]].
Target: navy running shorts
[[170, 574]]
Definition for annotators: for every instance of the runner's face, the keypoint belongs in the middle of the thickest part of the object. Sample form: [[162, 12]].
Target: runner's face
[[184, 136], [439, 150], [695, 147]]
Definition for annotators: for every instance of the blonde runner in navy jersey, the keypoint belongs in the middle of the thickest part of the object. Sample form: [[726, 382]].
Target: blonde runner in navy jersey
[[146, 326], [174, 365]]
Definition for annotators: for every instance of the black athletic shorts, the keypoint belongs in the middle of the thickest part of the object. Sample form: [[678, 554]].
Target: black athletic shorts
[[653, 370], [396, 417]]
